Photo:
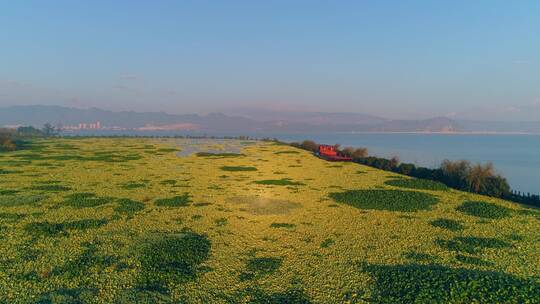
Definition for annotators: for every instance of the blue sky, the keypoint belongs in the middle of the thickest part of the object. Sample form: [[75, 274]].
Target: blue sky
[[407, 59]]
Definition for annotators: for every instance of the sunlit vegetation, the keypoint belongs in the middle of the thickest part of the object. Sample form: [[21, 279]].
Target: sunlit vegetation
[[130, 220]]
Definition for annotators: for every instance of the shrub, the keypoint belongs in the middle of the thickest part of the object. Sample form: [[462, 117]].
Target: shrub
[[7, 143], [360, 153], [310, 145], [455, 173], [406, 169], [348, 151], [484, 210], [391, 200]]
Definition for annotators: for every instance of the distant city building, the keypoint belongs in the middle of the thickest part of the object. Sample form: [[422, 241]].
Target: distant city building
[[83, 126]]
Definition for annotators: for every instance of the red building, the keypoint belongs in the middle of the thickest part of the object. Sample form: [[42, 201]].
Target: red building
[[330, 153]]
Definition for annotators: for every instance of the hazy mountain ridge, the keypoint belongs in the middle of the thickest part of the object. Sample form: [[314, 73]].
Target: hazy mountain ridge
[[250, 121]]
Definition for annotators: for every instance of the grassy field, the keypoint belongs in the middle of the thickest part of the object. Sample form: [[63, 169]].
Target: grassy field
[[128, 221]]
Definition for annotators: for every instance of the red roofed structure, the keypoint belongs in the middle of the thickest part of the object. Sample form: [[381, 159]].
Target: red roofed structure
[[330, 153]]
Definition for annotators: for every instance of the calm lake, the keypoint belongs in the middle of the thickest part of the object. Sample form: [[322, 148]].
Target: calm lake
[[517, 157]]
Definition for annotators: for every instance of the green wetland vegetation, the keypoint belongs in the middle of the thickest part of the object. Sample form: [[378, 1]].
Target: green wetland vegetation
[[125, 220]]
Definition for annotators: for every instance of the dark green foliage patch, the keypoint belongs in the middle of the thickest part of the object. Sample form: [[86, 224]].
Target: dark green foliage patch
[[448, 224], [11, 217], [391, 200], [287, 152], [80, 265], [279, 182], [133, 185], [438, 284], [47, 228], [171, 259], [128, 207], [484, 210], [472, 260], [168, 182], [327, 243], [8, 192], [51, 188], [472, 245], [259, 267], [282, 225], [419, 257], [421, 184], [86, 200], [289, 296], [238, 168], [176, 201], [68, 296], [21, 200]]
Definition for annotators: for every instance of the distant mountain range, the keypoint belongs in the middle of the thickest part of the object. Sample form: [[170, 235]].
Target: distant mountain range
[[249, 121]]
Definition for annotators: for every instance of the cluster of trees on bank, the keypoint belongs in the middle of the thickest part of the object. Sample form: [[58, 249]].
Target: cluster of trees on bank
[[461, 174], [16, 139]]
